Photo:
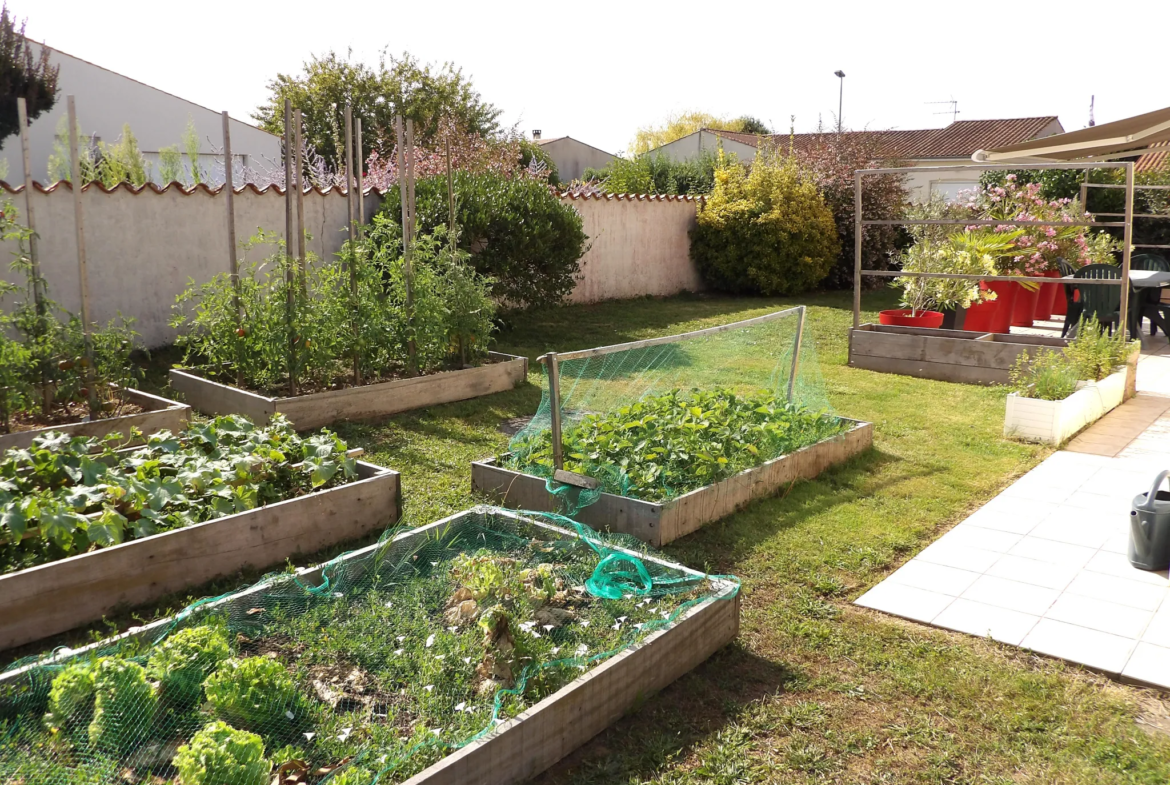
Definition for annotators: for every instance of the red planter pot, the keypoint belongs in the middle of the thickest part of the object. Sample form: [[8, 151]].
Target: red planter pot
[[903, 318], [1046, 300], [1060, 301], [993, 316], [1025, 309]]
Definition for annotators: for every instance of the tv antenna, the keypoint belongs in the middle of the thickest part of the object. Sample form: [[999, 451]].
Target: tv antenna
[[1092, 100], [953, 111]]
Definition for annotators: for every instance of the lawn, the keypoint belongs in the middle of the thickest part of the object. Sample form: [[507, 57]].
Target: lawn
[[816, 690]]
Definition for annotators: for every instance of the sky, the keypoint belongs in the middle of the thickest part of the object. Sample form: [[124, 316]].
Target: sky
[[598, 71]]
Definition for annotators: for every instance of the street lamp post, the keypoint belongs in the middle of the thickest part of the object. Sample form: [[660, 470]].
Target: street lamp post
[[840, 98]]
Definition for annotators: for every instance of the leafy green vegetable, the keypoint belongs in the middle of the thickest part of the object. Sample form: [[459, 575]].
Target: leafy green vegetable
[[670, 444], [220, 754], [124, 705], [71, 698], [182, 662], [258, 694]]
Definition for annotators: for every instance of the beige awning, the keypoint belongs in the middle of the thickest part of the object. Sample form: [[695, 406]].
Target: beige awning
[[1119, 139]]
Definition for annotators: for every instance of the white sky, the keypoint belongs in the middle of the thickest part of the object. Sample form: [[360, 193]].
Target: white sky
[[598, 70]]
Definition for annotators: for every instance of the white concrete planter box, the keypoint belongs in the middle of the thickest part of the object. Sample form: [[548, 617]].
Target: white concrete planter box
[[661, 522], [61, 595], [158, 413], [524, 746], [502, 372], [1054, 422]]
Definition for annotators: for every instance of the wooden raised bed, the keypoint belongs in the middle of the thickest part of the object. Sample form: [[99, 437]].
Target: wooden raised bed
[[661, 522], [526, 745], [502, 372], [158, 413], [945, 355], [59, 596]]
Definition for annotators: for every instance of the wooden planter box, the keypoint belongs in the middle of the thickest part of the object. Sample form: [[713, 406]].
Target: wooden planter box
[[159, 413], [661, 522], [525, 746], [946, 355], [504, 372], [1054, 422], [59, 596]]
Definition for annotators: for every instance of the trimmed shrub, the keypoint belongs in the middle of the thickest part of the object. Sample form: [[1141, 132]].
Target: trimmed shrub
[[124, 705], [183, 661], [257, 694], [517, 231], [221, 755], [657, 174], [767, 231]]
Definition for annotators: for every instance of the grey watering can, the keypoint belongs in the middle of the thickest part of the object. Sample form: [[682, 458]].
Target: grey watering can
[[1149, 528]]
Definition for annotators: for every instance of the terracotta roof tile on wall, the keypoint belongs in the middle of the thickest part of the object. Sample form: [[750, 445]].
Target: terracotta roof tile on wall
[[574, 196], [958, 140], [204, 187]]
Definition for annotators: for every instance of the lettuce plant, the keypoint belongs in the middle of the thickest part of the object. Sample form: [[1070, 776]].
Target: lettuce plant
[[256, 693], [71, 697], [182, 662], [221, 755], [124, 705]]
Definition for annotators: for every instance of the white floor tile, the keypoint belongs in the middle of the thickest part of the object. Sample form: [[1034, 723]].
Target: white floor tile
[[976, 537], [962, 557], [1052, 552], [934, 577], [1079, 644], [1117, 502], [1150, 664], [1013, 595], [1158, 630], [1042, 489], [1117, 565], [1120, 620], [1010, 514], [976, 618], [1074, 530], [905, 601], [1117, 543], [1119, 590], [1034, 573]]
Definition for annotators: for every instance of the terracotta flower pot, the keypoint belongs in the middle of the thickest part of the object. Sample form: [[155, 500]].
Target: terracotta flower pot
[[993, 316], [1046, 300], [904, 318]]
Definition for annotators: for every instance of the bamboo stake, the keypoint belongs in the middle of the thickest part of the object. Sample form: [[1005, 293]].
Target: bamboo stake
[[82, 273], [404, 190], [361, 196], [353, 251], [451, 233], [289, 275], [229, 196], [30, 220], [299, 128]]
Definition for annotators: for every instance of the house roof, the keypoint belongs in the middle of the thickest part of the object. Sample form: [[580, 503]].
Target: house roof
[[571, 139], [958, 140]]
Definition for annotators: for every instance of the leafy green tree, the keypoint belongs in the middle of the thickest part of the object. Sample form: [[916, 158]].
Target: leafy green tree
[[22, 75], [754, 125], [658, 174], [424, 92]]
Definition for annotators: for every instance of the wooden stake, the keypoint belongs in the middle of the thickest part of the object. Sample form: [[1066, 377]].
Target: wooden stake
[[404, 192], [450, 199], [82, 274], [353, 250], [289, 275], [229, 196], [361, 196], [349, 166], [30, 220], [299, 128]]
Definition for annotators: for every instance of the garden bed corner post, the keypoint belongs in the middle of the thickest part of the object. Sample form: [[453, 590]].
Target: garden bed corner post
[[554, 403], [83, 277]]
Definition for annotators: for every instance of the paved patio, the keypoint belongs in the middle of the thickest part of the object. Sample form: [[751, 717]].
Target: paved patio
[[1043, 565]]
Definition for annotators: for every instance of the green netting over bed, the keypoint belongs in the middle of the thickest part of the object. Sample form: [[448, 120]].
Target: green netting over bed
[[655, 421], [366, 671]]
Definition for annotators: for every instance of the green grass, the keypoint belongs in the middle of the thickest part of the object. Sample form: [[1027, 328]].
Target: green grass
[[815, 689]]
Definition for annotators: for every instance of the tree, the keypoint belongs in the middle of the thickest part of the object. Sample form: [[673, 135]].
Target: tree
[[754, 125], [426, 93], [679, 125], [21, 75]]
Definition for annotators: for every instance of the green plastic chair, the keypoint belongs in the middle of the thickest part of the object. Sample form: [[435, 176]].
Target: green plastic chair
[[1102, 303], [1149, 304]]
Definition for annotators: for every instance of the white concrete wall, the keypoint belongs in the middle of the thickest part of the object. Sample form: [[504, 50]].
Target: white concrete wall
[[143, 246], [691, 145], [106, 101], [639, 246], [573, 157]]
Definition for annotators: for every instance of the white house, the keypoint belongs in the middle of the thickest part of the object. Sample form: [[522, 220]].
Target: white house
[[106, 101], [952, 145], [571, 156]]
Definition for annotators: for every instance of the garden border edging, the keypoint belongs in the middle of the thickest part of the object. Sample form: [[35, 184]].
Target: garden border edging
[[659, 523], [59, 596], [158, 413]]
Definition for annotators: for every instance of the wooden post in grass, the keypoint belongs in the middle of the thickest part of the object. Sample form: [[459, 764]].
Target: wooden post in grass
[[353, 253], [82, 274], [290, 283], [298, 130], [34, 261], [229, 195], [359, 161], [404, 193], [554, 403], [796, 352]]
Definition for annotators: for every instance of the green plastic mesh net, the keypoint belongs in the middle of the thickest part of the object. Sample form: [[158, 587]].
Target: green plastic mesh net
[[654, 420], [367, 670]]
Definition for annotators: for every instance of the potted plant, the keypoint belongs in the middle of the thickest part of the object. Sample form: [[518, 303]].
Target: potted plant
[[970, 252]]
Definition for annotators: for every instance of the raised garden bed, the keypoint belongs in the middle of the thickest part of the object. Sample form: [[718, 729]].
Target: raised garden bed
[[502, 372], [945, 355], [661, 522], [119, 569], [157, 414], [501, 735]]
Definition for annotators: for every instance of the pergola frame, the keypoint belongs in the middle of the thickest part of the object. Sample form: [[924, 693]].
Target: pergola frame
[[860, 224]]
